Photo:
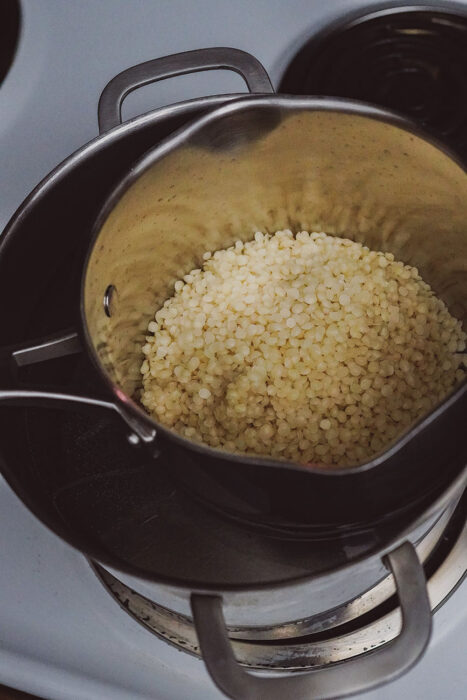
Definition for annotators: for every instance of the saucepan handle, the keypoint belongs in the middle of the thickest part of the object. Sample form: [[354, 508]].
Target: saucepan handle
[[241, 62], [355, 675], [60, 344], [55, 399]]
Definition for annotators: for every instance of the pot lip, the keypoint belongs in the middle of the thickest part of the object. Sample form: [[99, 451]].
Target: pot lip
[[451, 497], [285, 103], [97, 143], [451, 494]]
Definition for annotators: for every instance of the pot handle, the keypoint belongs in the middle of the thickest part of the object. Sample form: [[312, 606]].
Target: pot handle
[[57, 345], [241, 62], [53, 399], [354, 676], [66, 342]]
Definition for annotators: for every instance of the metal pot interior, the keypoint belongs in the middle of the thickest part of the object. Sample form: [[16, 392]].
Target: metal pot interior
[[267, 164]]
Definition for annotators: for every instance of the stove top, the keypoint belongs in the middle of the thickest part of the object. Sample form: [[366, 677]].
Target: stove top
[[61, 634]]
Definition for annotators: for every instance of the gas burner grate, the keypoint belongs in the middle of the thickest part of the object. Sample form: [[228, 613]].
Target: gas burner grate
[[408, 59]]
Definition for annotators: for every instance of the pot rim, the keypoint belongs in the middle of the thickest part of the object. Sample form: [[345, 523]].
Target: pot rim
[[452, 495], [95, 144], [170, 144]]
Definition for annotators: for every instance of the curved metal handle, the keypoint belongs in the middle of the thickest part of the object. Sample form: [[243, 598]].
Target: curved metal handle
[[110, 103], [52, 399], [353, 676]]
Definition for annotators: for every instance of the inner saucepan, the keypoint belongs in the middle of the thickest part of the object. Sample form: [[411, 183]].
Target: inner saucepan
[[267, 165]]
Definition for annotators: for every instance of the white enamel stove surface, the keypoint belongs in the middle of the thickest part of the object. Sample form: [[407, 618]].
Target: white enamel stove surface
[[61, 635]]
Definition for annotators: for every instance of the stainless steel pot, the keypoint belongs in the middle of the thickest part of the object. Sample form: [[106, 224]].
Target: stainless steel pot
[[243, 135], [268, 162]]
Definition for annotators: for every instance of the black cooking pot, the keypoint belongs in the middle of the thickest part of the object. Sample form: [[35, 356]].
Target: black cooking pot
[[259, 162]]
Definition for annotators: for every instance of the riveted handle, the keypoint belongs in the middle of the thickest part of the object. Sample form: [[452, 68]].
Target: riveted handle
[[241, 62], [61, 344], [355, 675], [55, 399]]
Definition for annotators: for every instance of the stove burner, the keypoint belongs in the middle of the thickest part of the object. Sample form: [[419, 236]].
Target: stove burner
[[10, 21], [408, 59]]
